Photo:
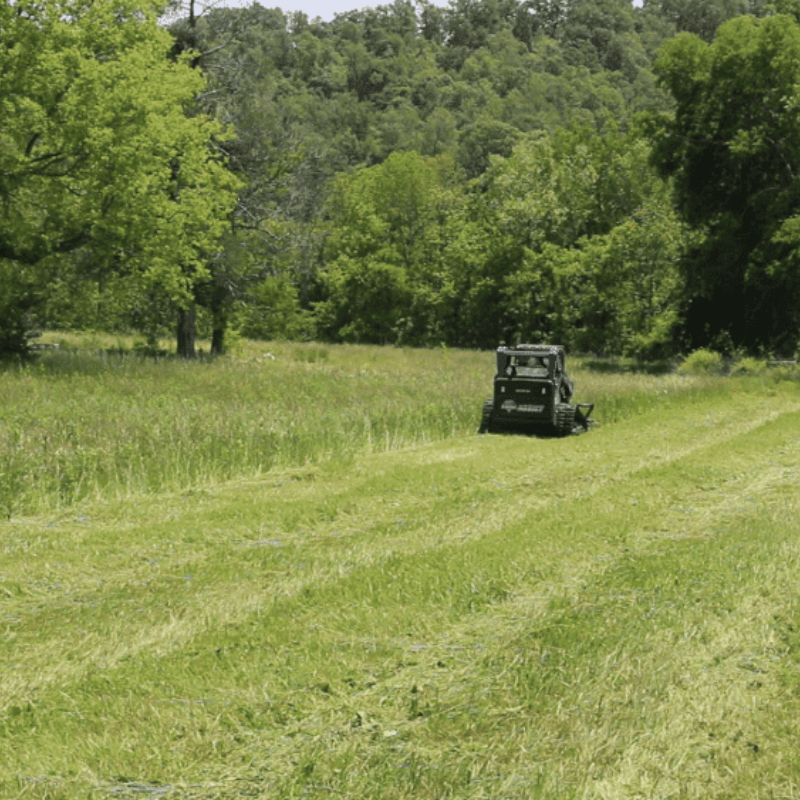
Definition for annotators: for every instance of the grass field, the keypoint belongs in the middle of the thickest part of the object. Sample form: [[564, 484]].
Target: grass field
[[95, 423], [402, 609]]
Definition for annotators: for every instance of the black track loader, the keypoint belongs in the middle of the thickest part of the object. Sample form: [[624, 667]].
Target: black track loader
[[533, 394]]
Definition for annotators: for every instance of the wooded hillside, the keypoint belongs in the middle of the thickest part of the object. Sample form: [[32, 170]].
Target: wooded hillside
[[620, 179]]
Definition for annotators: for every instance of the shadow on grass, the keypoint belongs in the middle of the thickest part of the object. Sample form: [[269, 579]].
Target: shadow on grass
[[539, 433], [626, 366], [55, 360]]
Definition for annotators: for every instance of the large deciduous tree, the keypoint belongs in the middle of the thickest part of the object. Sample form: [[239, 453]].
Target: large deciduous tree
[[101, 162], [388, 272], [577, 236], [733, 147]]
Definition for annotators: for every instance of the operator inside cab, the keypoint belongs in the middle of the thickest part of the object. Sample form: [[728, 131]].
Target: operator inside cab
[[529, 366]]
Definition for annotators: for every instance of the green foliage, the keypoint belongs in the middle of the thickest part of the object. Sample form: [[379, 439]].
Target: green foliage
[[734, 149], [272, 310], [17, 300], [747, 365], [634, 270], [482, 139], [319, 102], [408, 173], [366, 298], [703, 18], [387, 272], [702, 362], [582, 247], [98, 153]]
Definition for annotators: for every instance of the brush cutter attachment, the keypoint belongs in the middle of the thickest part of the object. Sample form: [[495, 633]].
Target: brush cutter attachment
[[582, 413]]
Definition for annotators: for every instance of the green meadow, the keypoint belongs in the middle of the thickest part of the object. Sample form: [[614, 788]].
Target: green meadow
[[93, 420], [296, 572]]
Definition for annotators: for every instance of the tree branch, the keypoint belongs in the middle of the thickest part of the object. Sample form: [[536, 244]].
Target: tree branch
[[31, 144], [34, 255]]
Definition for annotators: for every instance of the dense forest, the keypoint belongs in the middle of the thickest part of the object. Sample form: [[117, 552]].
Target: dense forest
[[620, 179]]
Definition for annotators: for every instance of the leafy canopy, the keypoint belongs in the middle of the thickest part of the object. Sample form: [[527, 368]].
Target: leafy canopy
[[98, 148], [733, 148]]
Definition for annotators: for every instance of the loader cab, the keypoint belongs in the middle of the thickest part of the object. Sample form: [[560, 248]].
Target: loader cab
[[529, 366], [530, 361], [526, 385]]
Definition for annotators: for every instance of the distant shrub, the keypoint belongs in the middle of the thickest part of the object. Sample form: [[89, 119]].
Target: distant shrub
[[786, 371], [702, 362], [273, 312], [748, 366]]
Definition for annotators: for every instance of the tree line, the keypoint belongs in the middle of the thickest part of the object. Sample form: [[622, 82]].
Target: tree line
[[620, 179]]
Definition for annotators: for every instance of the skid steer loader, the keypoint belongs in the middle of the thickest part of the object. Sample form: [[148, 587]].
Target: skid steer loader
[[533, 393]]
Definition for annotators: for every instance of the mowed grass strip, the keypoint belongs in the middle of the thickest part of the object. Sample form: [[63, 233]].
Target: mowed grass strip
[[399, 675], [488, 736], [668, 675], [92, 594]]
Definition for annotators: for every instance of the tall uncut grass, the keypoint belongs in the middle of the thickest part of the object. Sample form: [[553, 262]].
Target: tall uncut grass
[[88, 420]]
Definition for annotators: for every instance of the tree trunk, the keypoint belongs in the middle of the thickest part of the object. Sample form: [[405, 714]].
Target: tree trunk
[[219, 322], [184, 343], [218, 338]]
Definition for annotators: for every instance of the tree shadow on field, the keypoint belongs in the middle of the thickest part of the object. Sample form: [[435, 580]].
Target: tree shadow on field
[[52, 360], [624, 366]]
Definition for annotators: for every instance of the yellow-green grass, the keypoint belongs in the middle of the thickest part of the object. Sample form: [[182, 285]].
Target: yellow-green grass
[[86, 423], [613, 615]]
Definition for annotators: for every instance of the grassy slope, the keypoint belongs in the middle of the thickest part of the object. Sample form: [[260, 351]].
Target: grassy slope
[[609, 616]]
